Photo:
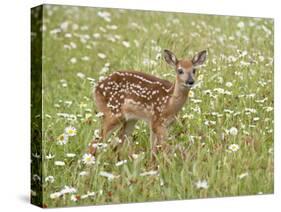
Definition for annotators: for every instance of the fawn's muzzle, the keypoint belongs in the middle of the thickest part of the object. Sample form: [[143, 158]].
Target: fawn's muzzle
[[189, 82]]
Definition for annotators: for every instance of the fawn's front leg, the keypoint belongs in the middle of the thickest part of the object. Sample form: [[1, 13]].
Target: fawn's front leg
[[158, 134]]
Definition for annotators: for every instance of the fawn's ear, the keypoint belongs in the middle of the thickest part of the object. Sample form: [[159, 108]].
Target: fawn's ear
[[170, 58], [199, 58]]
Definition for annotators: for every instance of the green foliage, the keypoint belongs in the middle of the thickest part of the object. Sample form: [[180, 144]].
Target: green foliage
[[222, 141]]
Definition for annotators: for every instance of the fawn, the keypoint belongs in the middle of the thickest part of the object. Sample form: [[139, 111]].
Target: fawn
[[127, 96]]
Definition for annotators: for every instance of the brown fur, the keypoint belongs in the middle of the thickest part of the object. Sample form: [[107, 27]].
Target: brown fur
[[127, 96]]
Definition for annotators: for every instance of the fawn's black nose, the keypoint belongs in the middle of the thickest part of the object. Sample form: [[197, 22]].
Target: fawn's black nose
[[189, 82]]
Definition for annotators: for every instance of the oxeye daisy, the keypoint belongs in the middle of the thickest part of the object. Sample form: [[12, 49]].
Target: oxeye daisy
[[70, 155], [233, 131], [70, 131], [88, 159], [59, 163], [234, 147], [62, 139], [50, 179], [55, 195], [149, 173], [74, 198], [202, 184], [83, 173], [108, 175]]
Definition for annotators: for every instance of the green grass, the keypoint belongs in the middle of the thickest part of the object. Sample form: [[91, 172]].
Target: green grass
[[235, 91]]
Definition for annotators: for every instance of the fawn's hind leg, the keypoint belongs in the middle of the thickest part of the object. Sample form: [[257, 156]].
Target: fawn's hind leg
[[109, 124], [126, 129]]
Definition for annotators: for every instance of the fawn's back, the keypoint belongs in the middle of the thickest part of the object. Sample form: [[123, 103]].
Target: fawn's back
[[133, 95]]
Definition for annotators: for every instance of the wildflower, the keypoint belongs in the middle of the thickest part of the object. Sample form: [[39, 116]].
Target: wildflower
[[99, 145], [101, 78], [117, 140], [57, 105], [83, 173], [233, 131], [70, 131], [234, 147], [120, 163], [68, 189], [248, 111], [200, 77], [64, 84], [261, 58], [241, 24], [207, 92], [228, 84], [74, 198], [73, 45], [85, 58], [66, 46], [268, 109], [149, 173], [101, 55], [83, 105], [64, 25], [55, 31], [256, 118], [147, 61], [36, 177], [84, 28], [73, 60], [191, 94], [89, 194], [97, 133], [243, 53], [135, 156], [49, 156], [270, 150], [96, 35], [209, 122], [50, 179], [59, 163], [137, 44], [241, 176], [55, 195], [99, 114], [219, 90], [62, 139], [126, 44], [112, 27], [75, 26], [104, 15], [88, 159], [33, 193], [70, 155], [68, 35], [36, 155], [108, 175], [202, 184], [80, 75], [196, 101], [158, 56]]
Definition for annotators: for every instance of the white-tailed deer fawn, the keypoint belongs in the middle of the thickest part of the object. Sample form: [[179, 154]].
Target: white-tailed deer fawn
[[127, 96]]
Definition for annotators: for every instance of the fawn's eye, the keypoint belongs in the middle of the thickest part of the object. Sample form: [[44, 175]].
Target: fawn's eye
[[194, 71], [180, 71]]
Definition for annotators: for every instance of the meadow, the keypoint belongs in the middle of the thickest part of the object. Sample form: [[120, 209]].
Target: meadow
[[221, 143]]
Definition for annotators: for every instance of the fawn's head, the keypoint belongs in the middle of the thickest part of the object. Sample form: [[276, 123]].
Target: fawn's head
[[185, 69]]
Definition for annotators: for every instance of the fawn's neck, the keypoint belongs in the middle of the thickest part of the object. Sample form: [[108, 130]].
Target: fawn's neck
[[178, 98]]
